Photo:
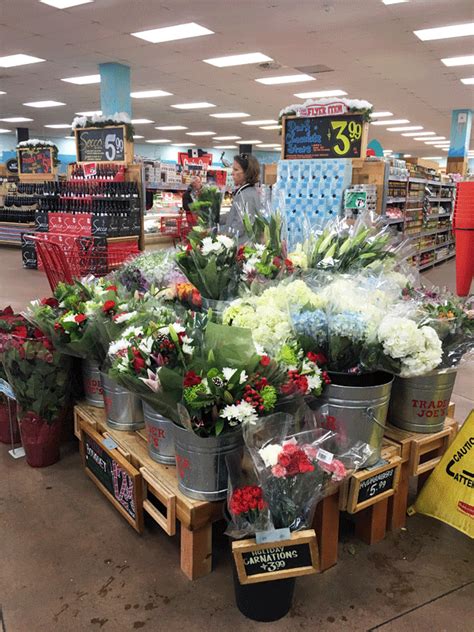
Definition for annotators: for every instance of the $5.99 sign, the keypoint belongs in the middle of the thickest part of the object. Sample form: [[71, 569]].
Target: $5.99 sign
[[342, 136], [101, 144]]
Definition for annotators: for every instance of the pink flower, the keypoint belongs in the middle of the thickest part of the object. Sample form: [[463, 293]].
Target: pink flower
[[279, 471], [310, 451], [336, 468]]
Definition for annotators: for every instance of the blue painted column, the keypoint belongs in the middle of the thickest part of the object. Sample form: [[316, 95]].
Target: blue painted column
[[461, 123], [115, 89]]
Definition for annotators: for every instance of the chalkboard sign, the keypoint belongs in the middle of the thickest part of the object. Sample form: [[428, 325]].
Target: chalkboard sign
[[370, 486], [101, 144], [376, 485], [12, 165], [343, 136], [278, 560], [113, 474], [35, 161]]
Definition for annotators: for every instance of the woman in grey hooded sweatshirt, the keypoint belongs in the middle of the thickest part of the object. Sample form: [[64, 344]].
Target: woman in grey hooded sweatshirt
[[246, 174]]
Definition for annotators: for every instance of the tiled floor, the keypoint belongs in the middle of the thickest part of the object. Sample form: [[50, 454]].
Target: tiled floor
[[70, 563]]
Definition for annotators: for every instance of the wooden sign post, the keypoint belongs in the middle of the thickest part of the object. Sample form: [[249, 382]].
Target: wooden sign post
[[117, 479], [103, 144], [279, 560], [314, 137]]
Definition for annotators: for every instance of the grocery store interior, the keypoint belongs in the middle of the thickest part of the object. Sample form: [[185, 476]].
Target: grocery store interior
[[115, 115]]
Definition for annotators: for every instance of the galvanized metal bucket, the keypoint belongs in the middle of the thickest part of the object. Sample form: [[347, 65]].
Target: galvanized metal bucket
[[356, 407], [159, 431], [420, 404], [92, 385], [124, 409], [200, 462]]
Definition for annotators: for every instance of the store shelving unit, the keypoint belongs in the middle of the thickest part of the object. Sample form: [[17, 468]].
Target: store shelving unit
[[19, 201]]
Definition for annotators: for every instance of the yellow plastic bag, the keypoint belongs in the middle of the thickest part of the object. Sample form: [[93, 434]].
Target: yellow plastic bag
[[448, 494]]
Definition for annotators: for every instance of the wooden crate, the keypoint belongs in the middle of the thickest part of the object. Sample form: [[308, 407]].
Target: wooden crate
[[420, 454], [159, 481]]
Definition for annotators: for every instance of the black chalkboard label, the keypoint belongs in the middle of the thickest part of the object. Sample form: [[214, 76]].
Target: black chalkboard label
[[277, 558], [105, 144], [112, 476], [323, 137], [376, 485], [35, 161]]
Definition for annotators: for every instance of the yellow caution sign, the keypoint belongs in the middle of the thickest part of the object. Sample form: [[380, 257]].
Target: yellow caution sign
[[448, 494]]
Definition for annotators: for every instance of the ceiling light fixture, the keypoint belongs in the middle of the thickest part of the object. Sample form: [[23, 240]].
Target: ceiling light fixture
[[469, 81], [465, 60], [136, 136], [169, 128], [250, 142], [226, 137], [225, 115], [2, 92], [200, 133], [225, 146], [84, 80], [270, 127], [380, 114], [393, 1], [184, 144], [9, 61], [65, 4], [407, 155], [410, 128], [420, 134], [148, 94], [159, 140], [434, 141], [321, 93], [141, 121], [90, 113], [237, 60], [391, 122], [193, 106], [5, 131], [59, 126], [173, 33], [432, 157], [275, 81], [44, 104], [261, 122], [269, 145], [16, 119], [445, 32]]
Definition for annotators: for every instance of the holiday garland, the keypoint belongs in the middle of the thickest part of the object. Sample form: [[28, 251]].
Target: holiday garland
[[97, 120]]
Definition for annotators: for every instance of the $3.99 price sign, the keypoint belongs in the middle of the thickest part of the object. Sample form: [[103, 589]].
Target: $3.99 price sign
[[323, 137]]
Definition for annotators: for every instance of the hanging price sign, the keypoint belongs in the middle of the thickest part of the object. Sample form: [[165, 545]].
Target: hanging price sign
[[343, 136]]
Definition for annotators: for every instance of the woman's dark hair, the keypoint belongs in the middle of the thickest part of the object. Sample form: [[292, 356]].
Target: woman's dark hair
[[250, 167]]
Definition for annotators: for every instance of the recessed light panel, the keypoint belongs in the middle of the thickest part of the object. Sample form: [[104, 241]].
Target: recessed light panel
[[410, 128], [446, 32], [9, 61], [1, 92], [420, 134], [270, 127], [148, 94], [266, 145], [141, 121], [59, 126], [261, 122], [16, 119], [225, 115], [469, 81], [5, 131], [391, 122], [466, 60], [225, 146], [169, 128], [173, 33], [90, 113], [44, 104], [380, 114], [159, 140], [184, 144], [275, 81], [200, 133], [394, 1], [226, 137], [193, 106], [137, 136], [250, 142], [65, 4], [321, 94], [238, 60], [84, 80]]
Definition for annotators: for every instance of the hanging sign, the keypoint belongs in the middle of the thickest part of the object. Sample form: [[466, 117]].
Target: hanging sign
[[310, 138], [100, 144], [278, 560], [33, 161], [203, 161], [320, 109], [113, 474]]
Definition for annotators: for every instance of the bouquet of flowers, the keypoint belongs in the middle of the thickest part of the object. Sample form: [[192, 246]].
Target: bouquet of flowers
[[264, 255], [209, 262], [208, 206], [150, 272]]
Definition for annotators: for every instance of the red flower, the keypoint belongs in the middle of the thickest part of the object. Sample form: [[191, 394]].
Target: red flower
[[318, 358], [58, 327], [21, 331], [112, 288], [276, 262], [289, 263], [108, 306], [38, 333], [191, 379], [80, 318], [52, 302], [246, 499], [138, 363], [265, 360]]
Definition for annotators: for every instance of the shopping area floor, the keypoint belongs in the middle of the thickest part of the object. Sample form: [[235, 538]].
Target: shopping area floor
[[70, 563]]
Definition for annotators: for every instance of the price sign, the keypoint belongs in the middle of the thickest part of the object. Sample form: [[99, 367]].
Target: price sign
[[113, 475], [278, 560], [376, 485], [101, 144], [35, 161], [342, 136]]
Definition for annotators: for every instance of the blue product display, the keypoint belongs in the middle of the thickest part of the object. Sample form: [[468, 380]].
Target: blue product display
[[310, 193]]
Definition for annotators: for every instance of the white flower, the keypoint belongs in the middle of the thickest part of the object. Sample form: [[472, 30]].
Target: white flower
[[314, 382], [187, 349], [243, 377], [117, 346], [178, 328], [146, 345], [132, 332], [208, 246], [69, 318], [186, 340], [228, 372], [122, 318], [240, 413], [269, 454], [225, 241]]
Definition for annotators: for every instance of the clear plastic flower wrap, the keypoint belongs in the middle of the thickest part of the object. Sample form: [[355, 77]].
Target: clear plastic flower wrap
[[295, 469], [151, 270]]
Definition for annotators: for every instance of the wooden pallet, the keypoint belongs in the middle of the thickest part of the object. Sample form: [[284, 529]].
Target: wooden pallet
[[159, 482], [420, 454]]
